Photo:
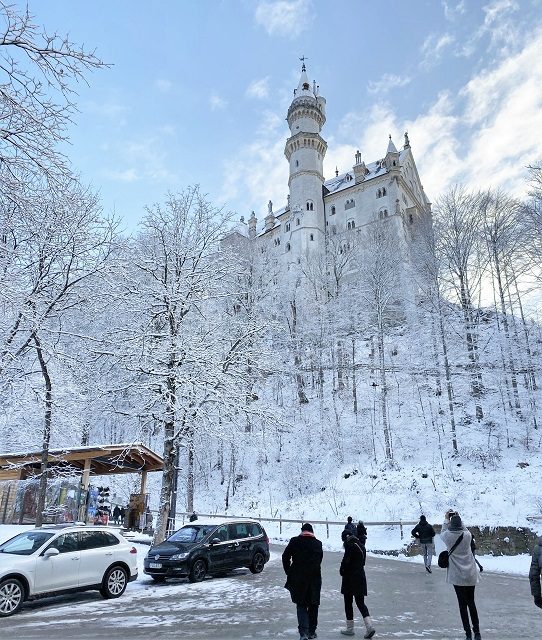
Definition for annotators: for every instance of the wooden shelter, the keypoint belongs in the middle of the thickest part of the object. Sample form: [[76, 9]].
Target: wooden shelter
[[95, 460]]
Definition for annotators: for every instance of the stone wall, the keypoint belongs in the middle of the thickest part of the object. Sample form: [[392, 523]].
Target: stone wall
[[497, 541]]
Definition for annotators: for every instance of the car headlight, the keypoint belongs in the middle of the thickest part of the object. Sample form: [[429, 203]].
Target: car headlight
[[179, 556]]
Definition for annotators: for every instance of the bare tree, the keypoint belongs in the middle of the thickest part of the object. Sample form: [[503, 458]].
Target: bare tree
[[458, 219], [38, 71], [381, 264], [186, 346]]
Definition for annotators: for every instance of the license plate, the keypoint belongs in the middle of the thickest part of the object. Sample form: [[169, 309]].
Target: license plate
[[155, 565]]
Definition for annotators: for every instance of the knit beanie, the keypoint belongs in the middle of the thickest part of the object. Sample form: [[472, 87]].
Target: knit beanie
[[455, 523]]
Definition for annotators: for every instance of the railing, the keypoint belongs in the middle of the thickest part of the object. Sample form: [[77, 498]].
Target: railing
[[325, 522]]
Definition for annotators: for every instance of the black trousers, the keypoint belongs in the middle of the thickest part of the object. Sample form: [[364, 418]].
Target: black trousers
[[360, 603], [465, 598]]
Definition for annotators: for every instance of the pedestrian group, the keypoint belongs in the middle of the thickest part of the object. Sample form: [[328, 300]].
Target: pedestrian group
[[303, 556]]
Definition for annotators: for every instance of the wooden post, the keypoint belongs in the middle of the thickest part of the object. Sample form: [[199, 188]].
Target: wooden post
[[327, 528], [143, 482], [401, 527], [84, 489]]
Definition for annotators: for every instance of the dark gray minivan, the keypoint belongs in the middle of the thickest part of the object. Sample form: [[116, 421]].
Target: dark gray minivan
[[200, 548]]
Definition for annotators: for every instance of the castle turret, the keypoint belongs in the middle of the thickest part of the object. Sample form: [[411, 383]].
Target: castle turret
[[305, 150]]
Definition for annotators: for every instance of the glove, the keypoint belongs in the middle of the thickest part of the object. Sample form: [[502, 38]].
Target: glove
[[538, 601]]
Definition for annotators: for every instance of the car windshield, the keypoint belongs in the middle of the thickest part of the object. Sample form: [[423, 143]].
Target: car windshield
[[192, 533], [26, 543]]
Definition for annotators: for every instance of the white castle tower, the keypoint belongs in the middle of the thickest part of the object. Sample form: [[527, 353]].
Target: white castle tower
[[305, 150]]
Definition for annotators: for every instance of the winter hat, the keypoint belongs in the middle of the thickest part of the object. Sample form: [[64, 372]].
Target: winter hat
[[307, 526], [423, 519], [349, 519], [455, 523]]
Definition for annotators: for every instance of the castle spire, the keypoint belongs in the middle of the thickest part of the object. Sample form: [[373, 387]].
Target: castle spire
[[391, 146]]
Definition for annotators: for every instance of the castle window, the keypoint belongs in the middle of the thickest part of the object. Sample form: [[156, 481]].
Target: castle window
[[297, 222], [379, 193], [287, 227], [297, 163], [287, 246], [332, 211], [312, 236], [383, 213], [383, 191], [349, 204], [411, 218], [350, 224], [310, 206]]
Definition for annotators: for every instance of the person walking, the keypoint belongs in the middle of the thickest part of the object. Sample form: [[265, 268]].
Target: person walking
[[424, 533], [302, 561], [116, 514], [354, 585], [534, 573], [349, 529], [462, 571]]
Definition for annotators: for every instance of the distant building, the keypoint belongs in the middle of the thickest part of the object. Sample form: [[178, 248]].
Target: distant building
[[387, 191]]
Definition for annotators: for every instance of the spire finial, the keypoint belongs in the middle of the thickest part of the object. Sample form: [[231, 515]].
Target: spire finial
[[407, 141], [389, 136], [336, 172], [303, 58]]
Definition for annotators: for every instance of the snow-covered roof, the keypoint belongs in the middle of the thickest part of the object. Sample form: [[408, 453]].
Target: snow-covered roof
[[240, 227], [261, 223]]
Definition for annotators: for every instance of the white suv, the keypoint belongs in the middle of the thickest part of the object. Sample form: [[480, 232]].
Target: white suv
[[44, 561]]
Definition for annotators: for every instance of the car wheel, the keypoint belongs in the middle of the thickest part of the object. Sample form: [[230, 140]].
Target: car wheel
[[258, 563], [197, 571], [114, 582], [159, 578], [11, 597]]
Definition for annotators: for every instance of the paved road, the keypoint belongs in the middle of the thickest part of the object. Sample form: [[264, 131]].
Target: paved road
[[406, 603]]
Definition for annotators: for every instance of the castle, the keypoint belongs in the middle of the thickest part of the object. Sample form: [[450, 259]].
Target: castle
[[317, 209]]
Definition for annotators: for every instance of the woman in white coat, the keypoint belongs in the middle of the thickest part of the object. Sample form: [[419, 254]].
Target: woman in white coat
[[462, 571]]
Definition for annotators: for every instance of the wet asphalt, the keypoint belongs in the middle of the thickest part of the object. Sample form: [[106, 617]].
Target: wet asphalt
[[405, 603]]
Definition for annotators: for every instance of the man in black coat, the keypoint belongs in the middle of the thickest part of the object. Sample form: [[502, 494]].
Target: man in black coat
[[424, 533], [301, 560], [534, 573]]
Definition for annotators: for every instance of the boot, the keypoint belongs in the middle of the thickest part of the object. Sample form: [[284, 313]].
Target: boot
[[477, 635], [349, 631], [369, 626]]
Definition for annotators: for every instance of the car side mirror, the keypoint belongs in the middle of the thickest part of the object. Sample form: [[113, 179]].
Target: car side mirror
[[51, 551], [216, 541]]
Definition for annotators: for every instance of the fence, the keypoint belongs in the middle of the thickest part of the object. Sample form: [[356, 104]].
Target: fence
[[326, 522]]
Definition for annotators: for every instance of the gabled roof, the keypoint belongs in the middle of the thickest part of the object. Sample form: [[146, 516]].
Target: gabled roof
[[104, 460]]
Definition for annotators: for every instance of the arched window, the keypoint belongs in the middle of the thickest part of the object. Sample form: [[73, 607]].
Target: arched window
[[312, 236], [379, 194], [383, 213], [383, 191], [287, 227], [332, 211], [287, 246], [310, 206], [410, 218], [297, 222]]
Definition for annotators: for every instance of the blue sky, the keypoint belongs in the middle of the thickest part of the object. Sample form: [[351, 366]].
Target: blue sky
[[198, 92]]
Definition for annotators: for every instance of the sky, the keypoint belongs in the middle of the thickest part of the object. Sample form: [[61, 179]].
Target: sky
[[198, 92]]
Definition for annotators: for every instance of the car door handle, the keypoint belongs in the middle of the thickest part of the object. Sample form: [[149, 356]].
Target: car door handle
[[75, 558], [109, 553]]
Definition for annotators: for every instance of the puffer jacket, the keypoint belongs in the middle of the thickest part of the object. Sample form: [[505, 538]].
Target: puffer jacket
[[536, 569]]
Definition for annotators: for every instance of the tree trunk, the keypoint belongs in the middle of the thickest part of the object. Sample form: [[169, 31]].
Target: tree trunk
[[42, 491], [354, 385], [384, 391]]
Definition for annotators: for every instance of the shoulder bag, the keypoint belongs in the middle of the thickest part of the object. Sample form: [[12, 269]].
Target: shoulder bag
[[444, 556]]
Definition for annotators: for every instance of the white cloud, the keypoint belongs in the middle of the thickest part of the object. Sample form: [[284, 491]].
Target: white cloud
[[149, 158], [217, 102], [164, 85], [453, 10], [387, 82], [286, 18], [433, 48], [258, 89]]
